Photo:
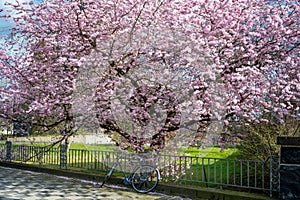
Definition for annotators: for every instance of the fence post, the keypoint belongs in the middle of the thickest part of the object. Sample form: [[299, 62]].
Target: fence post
[[274, 175], [8, 150], [289, 167], [63, 155]]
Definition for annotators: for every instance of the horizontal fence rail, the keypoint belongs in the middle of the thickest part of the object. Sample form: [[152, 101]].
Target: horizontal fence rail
[[207, 172], [249, 174]]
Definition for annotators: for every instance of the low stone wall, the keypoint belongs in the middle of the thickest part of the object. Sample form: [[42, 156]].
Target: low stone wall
[[192, 192], [77, 139]]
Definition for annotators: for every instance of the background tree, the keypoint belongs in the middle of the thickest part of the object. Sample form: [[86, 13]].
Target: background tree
[[255, 44]]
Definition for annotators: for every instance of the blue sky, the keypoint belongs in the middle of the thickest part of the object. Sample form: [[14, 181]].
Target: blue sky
[[6, 25]]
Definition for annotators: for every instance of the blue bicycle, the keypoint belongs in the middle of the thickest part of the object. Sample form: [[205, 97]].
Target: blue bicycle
[[143, 179]]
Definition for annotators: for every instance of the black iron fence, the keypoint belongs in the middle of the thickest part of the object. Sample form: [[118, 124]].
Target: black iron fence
[[207, 172]]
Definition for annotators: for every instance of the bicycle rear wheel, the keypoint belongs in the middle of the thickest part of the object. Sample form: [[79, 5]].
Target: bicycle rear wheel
[[145, 179]]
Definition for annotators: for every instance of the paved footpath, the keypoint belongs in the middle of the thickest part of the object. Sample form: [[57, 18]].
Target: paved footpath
[[24, 185]]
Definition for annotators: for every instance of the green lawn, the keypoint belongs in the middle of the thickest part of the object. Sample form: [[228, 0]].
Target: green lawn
[[213, 152], [209, 152], [99, 147]]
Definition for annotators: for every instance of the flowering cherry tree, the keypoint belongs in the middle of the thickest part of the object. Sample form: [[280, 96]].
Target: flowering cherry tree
[[256, 46], [151, 71]]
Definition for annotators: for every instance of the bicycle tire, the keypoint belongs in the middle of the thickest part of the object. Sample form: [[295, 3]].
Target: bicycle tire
[[145, 179]]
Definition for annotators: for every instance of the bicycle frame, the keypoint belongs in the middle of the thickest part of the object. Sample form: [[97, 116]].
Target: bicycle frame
[[143, 178], [116, 164]]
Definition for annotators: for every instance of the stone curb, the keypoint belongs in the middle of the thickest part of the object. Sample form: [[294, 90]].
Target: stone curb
[[169, 189]]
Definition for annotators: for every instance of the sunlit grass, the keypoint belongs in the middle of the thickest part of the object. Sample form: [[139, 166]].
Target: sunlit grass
[[209, 152], [212, 152], [99, 147]]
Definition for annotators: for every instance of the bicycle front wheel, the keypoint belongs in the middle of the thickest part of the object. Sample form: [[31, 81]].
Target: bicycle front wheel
[[145, 178]]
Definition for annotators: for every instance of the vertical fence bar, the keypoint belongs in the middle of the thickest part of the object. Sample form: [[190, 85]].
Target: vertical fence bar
[[69, 157], [227, 171], [208, 169], [77, 159], [234, 173], [241, 173], [85, 158], [30, 148], [271, 177], [164, 169], [22, 152], [37, 154], [45, 156], [191, 170], [248, 173], [175, 166], [95, 160], [46, 152], [54, 156], [263, 175], [203, 169], [106, 160], [215, 170], [88, 159], [19, 155], [71, 153], [197, 169], [81, 158], [98, 161], [185, 168], [103, 160], [99, 165], [255, 173], [33, 155], [180, 167], [170, 167], [92, 160], [221, 172], [58, 156], [74, 158], [50, 156], [125, 161]]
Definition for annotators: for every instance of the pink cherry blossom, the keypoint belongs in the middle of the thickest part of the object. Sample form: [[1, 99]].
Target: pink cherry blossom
[[209, 60]]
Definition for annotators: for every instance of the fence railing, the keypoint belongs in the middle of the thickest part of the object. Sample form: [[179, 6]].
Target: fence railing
[[207, 172]]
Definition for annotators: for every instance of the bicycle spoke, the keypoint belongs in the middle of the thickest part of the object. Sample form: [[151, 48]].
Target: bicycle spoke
[[145, 179]]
